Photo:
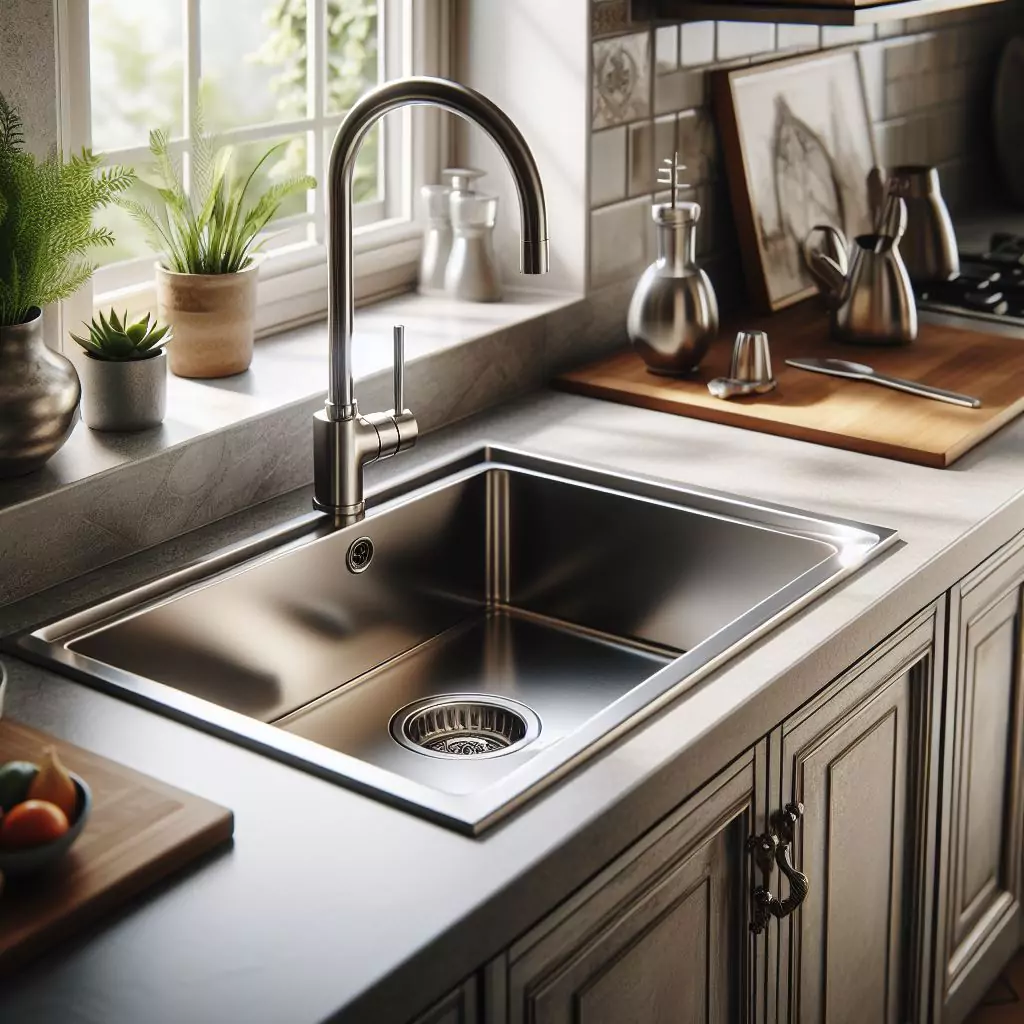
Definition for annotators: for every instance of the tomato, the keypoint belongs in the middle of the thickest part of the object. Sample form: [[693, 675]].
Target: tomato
[[32, 823]]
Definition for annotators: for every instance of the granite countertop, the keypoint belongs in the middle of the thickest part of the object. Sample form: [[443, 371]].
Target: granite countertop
[[331, 906]]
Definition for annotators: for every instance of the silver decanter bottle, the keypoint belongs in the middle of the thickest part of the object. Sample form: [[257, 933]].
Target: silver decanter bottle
[[673, 315], [472, 272]]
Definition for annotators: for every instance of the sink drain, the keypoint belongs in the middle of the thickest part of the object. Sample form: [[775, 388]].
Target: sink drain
[[465, 725]]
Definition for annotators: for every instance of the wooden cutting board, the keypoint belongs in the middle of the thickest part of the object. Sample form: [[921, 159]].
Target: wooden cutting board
[[140, 831], [840, 413]]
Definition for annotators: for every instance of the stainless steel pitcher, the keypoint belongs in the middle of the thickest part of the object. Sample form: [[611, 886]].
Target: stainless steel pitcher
[[869, 290], [928, 246]]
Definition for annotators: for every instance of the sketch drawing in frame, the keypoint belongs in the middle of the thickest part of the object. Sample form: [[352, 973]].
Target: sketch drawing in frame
[[798, 149]]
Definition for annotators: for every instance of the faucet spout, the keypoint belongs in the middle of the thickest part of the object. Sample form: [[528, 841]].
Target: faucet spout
[[458, 99], [344, 441]]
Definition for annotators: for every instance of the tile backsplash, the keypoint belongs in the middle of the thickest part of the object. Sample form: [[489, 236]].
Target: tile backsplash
[[928, 83]]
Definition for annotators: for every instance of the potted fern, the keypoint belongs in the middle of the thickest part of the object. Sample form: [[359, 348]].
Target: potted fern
[[46, 232], [206, 281], [124, 374]]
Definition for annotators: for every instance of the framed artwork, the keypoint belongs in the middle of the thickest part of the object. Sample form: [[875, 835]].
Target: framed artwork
[[798, 149]]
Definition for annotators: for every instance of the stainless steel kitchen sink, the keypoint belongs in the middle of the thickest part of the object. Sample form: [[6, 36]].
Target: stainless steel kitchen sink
[[489, 624]]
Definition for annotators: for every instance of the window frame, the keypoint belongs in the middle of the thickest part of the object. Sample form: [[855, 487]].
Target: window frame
[[293, 278]]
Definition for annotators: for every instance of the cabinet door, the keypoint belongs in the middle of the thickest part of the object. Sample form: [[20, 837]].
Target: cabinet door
[[980, 863], [660, 936], [458, 1007], [862, 758]]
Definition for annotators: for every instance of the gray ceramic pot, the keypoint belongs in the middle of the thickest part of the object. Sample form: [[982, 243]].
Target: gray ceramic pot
[[39, 393], [128, 395]]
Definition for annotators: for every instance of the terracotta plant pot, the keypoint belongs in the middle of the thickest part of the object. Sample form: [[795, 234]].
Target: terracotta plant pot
[[213, 317]]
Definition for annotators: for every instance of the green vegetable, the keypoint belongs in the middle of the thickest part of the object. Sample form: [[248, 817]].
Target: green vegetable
[[15, 779], [213, 230], [116, 340], [46, 211]]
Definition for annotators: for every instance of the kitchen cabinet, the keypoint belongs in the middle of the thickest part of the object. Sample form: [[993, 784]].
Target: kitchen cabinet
[[458, 1007], [659, 936], [798, 12], [688, 925], [862, 759], [979, 914]]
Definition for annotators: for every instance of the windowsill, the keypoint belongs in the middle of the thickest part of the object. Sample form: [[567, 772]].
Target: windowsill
[[288, 368]]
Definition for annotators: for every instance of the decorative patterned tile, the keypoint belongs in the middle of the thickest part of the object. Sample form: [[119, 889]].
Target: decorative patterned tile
[[619, 241], [608, 166], [622, 79], [696, 43], [608, 17]]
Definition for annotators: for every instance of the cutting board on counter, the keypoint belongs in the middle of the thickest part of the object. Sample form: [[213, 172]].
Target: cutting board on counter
[[840, 413], [139, 832]]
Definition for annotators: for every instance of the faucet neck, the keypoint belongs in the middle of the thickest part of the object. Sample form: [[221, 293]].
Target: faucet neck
[[450, 96]]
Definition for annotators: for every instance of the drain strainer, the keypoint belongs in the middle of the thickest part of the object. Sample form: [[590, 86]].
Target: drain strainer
[[465, 725]]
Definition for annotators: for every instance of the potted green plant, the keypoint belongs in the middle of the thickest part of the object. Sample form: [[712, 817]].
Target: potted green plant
[[124, 375], [46, 232], [206, 281]]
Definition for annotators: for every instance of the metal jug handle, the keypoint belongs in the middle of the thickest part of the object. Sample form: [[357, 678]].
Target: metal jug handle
[[878, 190], [827, 264]]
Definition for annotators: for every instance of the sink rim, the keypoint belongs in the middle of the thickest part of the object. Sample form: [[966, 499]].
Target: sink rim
[[470, 813]]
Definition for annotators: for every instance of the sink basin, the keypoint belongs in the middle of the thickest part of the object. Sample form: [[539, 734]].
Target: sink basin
[[488, 625]]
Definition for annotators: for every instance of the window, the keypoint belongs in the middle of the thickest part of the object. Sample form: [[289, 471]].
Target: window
[[265, 72]]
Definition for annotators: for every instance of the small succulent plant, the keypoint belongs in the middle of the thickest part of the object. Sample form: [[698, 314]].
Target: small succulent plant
[[115, 340]]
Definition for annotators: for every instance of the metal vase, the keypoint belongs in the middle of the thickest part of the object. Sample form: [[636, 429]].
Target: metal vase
[[124, 395], [39, 394]]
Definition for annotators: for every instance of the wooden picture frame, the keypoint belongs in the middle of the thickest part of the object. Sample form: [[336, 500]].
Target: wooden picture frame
[[798, 146]]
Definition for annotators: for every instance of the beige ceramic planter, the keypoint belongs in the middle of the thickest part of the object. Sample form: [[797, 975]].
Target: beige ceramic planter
[[213, 318]]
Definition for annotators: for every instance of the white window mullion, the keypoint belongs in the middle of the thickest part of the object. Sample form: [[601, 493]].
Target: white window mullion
[[191, 94], [316, 86]]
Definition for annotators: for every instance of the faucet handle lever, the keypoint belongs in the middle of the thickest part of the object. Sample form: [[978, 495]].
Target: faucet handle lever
[[399, 360]]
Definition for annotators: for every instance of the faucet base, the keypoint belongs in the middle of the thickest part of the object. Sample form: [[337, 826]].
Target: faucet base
[[342, 447]]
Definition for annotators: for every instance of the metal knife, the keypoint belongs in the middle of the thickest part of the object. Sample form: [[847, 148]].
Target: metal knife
[[861, 371]]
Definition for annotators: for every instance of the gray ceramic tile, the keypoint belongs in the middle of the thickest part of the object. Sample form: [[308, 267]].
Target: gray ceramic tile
[[696, 43], [608, 166], [891, 29], [622, 79], [698, 145], [744, 39], [680, 90], [844, 35], [619, 242], [872, 67], [608, 17], [666, 49], [798, 37], [650, 142]]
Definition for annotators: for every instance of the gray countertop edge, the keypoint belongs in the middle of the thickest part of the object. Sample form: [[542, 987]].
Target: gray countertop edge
[[388, 911]]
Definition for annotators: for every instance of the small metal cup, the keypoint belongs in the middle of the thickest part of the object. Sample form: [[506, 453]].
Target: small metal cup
[[751, 360]]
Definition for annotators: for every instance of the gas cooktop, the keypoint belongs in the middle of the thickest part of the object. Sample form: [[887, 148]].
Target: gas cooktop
[[990, 285]]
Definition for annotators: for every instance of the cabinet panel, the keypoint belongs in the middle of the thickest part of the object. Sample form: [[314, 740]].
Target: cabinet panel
[[458, 1007], [862, 761], [659, 937], [980, 856]]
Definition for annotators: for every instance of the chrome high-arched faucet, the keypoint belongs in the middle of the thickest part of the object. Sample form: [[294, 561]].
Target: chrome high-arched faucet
[[343, 440]]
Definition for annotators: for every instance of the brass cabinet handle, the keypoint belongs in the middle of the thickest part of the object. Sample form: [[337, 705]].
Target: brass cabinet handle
[[771, 848]]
